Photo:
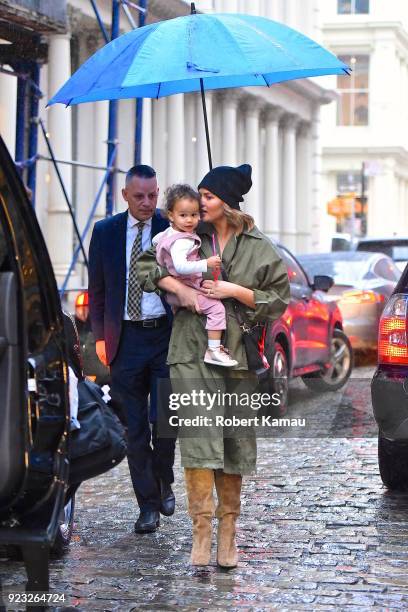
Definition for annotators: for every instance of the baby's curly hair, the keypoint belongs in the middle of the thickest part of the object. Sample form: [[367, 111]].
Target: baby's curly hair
[[179, 192]]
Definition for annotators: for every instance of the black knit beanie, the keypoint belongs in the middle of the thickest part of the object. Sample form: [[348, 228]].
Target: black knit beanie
[[228, 183]]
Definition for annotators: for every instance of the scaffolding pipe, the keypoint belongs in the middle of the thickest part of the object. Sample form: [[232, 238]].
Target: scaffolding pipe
[[77, 164], [139, 101], [113, 120], [20, 123], [64, 191], [100, 22], [138, 7], [129, 15], [88, 223], [33, 134]]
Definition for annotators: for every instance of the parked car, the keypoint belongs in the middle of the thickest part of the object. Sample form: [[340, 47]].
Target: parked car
[[395, 247], [42, 460], [308, 339], [362, 284], [389, 389], [34, 412]]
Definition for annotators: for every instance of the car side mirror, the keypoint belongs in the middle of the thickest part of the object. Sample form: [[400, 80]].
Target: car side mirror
[[321, 282]]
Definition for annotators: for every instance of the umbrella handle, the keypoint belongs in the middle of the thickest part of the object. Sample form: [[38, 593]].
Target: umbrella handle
[[207, 133]]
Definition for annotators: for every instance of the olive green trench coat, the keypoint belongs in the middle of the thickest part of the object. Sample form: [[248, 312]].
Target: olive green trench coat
[[249, 260]]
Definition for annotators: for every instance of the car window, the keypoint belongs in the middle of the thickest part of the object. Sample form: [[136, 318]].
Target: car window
[[400, 253], [343, 271], [295, 272], [396, 249], [385, 268]]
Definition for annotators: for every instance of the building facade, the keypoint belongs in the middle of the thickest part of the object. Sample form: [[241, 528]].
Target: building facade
[[276, 130], [364, 134]]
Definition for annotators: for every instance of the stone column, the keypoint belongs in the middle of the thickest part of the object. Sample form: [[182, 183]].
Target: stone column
[[8, 106], [229, 128], [101, 118], [147, 133], [90, 136], [226, 6], [289, 182], [384, 189], [202, 165], [405, 96], [190, 138], [272, 9], [303, 189], [60, 231], [252, 7], [253, 202], [272, 190], [176, 139], [290, 16], [318, 208], [160, 137], [216, 120]]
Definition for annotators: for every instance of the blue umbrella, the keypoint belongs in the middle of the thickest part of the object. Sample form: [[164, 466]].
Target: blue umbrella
[[194, 53]]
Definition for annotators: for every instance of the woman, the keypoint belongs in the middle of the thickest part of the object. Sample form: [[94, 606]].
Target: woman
[[256, 279]]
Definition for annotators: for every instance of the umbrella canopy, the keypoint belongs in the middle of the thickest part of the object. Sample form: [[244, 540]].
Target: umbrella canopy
[[183, 54]]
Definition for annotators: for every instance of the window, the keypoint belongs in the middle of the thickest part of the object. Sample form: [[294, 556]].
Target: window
[[385, 268], [353, 7], [352, 107], [295, 272]]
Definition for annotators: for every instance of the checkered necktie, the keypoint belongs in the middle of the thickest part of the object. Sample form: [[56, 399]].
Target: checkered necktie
[[134, 302]]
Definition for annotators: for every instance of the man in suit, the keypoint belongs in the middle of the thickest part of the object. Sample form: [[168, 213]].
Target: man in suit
[[132, 332]]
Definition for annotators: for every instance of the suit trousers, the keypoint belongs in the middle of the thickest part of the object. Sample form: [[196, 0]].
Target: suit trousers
[[139, 363]]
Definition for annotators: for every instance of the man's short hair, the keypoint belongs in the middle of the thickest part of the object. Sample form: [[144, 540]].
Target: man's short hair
[[141, 171]]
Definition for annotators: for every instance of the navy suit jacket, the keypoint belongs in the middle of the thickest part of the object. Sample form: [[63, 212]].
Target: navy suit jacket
[[107, 277]]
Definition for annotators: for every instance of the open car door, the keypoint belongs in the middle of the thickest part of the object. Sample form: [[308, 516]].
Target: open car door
[[34, 411]]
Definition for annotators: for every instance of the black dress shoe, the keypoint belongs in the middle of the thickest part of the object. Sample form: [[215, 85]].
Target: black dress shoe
[[168, 501], [148, 522]]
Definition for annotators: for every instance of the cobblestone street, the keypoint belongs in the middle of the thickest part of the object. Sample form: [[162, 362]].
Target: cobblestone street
[[317, 531]]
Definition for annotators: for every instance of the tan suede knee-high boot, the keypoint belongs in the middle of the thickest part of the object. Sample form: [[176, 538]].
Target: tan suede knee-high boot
[[200, 486], [229, 504]]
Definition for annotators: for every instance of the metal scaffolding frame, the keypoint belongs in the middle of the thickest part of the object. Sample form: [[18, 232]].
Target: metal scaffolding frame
[[28, 90]]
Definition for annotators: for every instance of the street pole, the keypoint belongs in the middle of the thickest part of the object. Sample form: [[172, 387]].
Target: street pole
[[353, 218], [363, 201]]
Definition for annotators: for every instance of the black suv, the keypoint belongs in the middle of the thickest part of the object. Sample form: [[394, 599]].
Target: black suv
[[34, 412], [389, 389]]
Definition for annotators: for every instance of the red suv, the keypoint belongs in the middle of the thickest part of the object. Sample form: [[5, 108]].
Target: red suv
[[308, 339]]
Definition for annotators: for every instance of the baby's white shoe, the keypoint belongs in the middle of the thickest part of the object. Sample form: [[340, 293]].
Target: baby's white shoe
[[219, 356]]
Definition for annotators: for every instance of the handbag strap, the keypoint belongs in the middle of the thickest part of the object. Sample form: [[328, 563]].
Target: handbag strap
[[238, 311]]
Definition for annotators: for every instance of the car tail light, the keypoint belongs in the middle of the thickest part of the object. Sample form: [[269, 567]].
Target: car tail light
[[361, 297], [81, 306], [82, 299], [392, 336]]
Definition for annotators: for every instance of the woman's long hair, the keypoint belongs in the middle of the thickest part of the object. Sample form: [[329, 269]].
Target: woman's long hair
[[238, 219]]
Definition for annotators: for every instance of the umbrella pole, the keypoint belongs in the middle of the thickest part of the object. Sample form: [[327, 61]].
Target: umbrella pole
[[207, 133]]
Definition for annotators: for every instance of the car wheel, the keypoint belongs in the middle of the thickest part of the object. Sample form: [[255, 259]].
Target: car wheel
[[393, 463], [278, 381], [339, 370], [65, 528]]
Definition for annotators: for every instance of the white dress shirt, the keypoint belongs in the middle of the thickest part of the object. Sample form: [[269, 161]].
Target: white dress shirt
[[152, 306]]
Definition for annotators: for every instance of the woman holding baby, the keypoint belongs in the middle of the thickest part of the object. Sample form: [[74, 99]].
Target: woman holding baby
[[233, 266]]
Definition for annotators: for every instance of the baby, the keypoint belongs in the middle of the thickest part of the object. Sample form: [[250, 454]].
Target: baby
[[177, 249]]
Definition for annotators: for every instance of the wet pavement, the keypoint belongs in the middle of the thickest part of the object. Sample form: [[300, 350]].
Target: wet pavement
[[317, 532]]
